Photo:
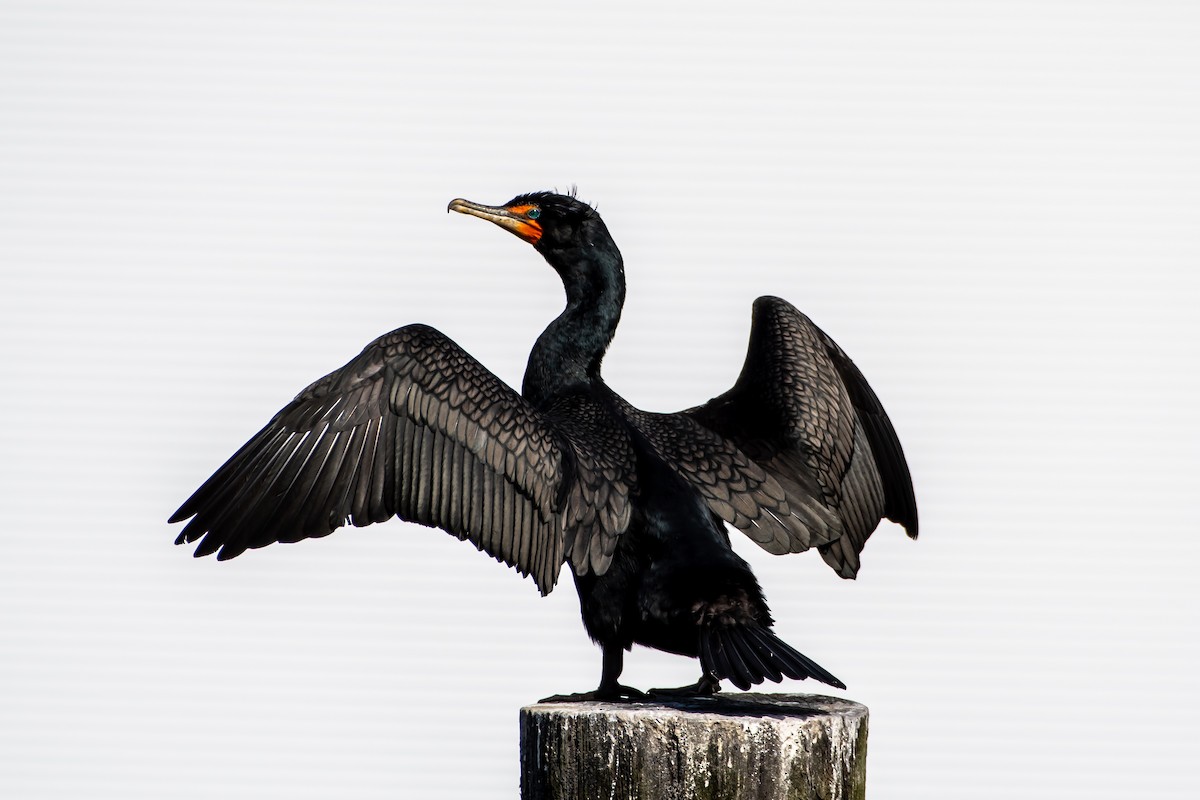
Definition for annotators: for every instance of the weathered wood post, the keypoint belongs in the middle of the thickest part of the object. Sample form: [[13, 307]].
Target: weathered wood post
[[743, 746]]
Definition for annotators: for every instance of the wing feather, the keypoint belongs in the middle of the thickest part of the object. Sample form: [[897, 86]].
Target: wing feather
[[735, 487], [413, 427], [805, 414], [598, 503]]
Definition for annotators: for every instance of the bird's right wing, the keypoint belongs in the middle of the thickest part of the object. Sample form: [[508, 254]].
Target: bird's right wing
[[413, 427]]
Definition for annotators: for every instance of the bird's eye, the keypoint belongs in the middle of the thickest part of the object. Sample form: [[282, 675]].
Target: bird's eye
[[533, 213]]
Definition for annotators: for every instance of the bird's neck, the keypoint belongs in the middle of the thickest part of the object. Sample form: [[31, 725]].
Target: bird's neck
[[567, 355]]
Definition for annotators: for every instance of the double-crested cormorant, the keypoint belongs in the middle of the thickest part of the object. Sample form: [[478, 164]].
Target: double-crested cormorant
[[798, 454]]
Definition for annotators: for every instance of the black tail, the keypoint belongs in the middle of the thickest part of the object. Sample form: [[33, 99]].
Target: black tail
[[747, 654]]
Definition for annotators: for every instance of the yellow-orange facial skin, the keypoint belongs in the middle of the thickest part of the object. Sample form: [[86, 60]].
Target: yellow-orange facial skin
[[528, 230], [515, 219]]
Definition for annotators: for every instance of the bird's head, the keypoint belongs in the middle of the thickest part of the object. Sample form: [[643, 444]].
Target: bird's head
[[546, 220]]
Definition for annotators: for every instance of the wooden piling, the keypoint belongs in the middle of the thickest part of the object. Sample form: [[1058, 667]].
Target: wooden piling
[[727, 747]]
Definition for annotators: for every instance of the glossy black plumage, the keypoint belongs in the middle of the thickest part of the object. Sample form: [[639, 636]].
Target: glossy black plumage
[[798, 454]]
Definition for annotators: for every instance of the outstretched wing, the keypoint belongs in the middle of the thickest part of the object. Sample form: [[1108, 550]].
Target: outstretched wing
[[413, 427], [803, 412]]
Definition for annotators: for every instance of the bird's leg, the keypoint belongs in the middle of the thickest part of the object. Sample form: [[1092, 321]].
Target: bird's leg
[[610, 688], [708, 685], [613, 665]]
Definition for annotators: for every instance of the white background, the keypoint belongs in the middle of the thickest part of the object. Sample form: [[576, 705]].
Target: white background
[[993, 206]]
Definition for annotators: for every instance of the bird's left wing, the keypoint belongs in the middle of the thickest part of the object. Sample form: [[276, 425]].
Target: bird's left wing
[[804, 412], [413, 427]]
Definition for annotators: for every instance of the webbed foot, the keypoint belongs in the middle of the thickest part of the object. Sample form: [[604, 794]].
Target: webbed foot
[[617, 693], [707, 686]]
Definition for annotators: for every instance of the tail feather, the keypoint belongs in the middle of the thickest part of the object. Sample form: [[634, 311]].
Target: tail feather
[[749, 654], [734, 645], [801, 666], [721, 665], [760, 664]]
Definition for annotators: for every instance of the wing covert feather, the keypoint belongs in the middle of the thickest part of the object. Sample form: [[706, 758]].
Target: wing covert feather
[[737, 489], [598, 504]]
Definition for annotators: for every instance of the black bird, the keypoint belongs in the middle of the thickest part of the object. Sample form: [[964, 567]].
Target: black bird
[[798, 454]]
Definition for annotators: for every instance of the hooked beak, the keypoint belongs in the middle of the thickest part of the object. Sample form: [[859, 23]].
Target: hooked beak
[[511, 218]]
